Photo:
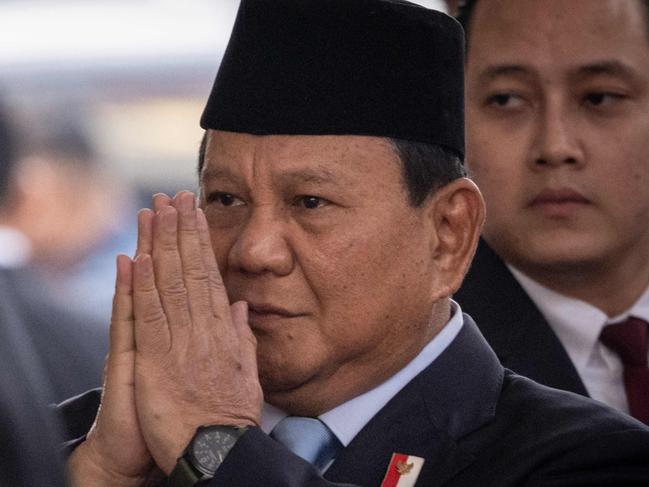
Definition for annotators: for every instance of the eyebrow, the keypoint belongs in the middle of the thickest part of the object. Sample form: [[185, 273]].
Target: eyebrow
[[499, 70], [210, 173], [610, 68], [606, 67]]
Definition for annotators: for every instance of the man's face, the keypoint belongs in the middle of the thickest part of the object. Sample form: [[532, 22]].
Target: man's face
[[316, 234], [558, 130]]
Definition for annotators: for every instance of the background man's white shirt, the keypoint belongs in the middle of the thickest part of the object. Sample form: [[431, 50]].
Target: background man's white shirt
[[15, 248], [578, 326]]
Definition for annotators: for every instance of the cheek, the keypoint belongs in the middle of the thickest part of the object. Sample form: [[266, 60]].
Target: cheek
[[367, 280], [624, 191]]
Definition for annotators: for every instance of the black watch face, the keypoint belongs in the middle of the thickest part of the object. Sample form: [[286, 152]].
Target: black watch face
[[210, 446]]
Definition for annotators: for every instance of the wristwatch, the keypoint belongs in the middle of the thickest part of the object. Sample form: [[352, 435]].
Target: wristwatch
[[204, 454]]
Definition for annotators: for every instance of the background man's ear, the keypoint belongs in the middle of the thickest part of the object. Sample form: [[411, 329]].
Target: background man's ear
[[457, 211]]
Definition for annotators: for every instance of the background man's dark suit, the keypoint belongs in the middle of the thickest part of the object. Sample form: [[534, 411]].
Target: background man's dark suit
[[513, 325], [457, 415], [71, 349], [28, 433]]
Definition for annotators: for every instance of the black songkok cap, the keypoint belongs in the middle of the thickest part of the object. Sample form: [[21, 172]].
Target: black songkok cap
[[386, 68]]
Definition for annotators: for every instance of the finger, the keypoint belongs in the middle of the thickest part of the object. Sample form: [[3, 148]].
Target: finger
[[119, 369], [218, 293], [160, 200], [151, 328], [121, 326], [194, 273], [144, 232], [168, 268]]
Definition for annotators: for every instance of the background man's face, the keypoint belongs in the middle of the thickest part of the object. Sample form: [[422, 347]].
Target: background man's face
[[316, 233], [558, 129]]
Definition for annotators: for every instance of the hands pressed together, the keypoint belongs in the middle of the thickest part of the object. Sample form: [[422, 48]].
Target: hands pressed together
[[180, 355]]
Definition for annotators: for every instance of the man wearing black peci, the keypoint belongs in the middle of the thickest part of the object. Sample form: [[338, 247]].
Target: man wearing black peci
[[296, 328]]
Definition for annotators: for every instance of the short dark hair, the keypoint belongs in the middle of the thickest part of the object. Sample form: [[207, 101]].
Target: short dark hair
[[425, 167], [67, 141], [8, 148], [466, 8]]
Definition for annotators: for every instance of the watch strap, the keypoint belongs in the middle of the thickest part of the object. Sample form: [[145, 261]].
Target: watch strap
[[184, 475]]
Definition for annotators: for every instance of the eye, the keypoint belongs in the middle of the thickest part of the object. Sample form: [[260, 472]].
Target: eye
[[224, 199], [311, 202], [504, 100], [603, 98]]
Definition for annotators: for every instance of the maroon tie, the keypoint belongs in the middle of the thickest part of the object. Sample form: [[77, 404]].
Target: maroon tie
[[630, 340]]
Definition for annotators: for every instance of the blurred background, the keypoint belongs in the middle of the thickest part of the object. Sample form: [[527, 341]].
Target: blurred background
[[106, 98]]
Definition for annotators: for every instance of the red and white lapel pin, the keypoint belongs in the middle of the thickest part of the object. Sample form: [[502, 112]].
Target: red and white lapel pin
[[402, 471]]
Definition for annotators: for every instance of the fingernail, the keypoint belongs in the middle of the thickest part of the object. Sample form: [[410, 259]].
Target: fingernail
[[124, 275], [187, 202]]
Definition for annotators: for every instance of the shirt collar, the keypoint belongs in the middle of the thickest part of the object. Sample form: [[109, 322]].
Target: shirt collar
[[577, 323], [640, 309], [349, 418], [15, 248]]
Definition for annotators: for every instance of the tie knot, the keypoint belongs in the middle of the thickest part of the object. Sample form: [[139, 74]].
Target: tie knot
[[309, 438], [629, 339]]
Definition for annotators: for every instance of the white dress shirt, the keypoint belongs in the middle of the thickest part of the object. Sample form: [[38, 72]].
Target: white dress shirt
[[347, 419], [578, 326], [15, 248]]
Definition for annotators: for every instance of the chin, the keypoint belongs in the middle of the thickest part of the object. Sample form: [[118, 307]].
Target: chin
[[561, 256], [279, 376], [555, 249]]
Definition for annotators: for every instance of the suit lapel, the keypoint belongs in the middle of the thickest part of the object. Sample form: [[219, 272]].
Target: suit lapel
[[513, 325], [455, 395]]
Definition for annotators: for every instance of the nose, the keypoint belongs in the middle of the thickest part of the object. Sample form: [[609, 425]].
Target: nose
[[555, 141], [262, 246]]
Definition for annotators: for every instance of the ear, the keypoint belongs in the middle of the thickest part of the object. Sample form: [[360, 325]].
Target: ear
[[457, 213]]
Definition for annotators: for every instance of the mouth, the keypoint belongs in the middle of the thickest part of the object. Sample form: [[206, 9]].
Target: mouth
[[261, 315], [558, 202]]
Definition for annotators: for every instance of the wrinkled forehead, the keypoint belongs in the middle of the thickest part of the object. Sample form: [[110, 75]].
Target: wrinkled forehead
[[319, 159]]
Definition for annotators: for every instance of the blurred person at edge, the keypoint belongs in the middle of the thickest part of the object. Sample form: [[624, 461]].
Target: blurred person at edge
[[29, 431], [557, 111], [68, 206], [71, 347], [307, 298]]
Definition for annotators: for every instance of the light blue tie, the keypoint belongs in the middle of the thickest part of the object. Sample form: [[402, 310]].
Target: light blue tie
[[308, 438]]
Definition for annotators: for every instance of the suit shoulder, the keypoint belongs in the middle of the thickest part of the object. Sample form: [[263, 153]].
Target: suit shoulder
[[544, 436], [565, 411]]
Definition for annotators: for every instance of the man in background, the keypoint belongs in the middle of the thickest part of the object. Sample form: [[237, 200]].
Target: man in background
[[557, 123], [28, 430], [64, 210], [71, 348]]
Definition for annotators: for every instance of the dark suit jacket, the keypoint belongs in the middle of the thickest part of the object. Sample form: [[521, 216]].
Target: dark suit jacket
[[474, 423], [513, 325], [29, 437], [71, 349]]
